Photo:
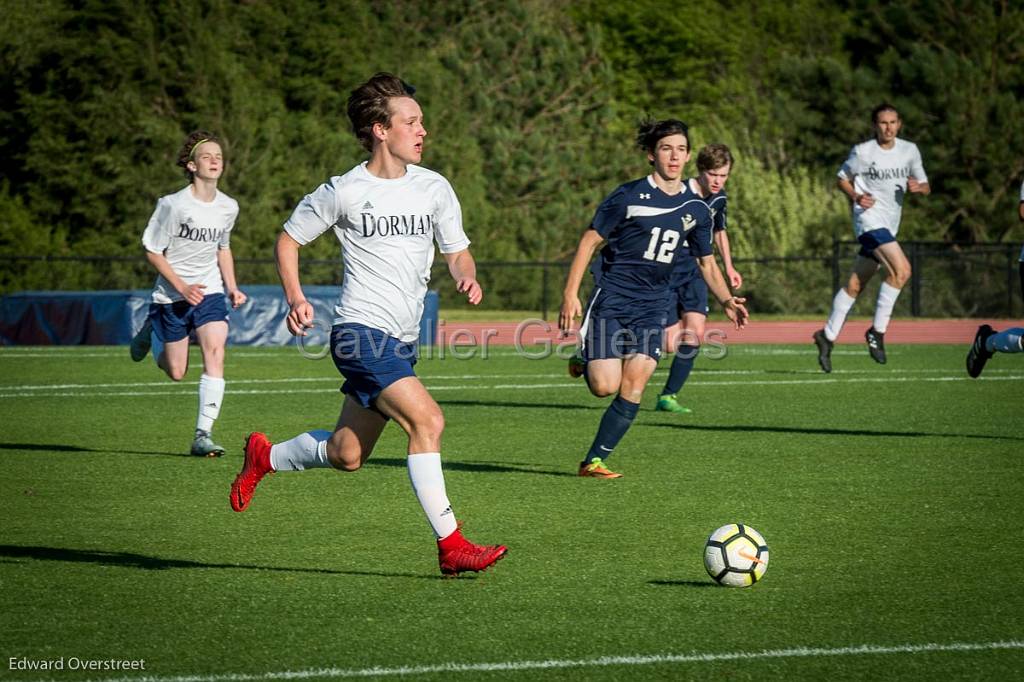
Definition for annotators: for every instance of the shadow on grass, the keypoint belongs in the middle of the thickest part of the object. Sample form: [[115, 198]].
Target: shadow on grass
[[10, 553], [475, 467], [60, 447], [535, 406], [734, 428], [682, 583]]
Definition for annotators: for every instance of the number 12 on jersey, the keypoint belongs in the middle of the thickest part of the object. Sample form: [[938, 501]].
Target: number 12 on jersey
[[662, 245]]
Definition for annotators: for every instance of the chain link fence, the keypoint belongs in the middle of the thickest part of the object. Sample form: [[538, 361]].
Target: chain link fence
[[981, 280]]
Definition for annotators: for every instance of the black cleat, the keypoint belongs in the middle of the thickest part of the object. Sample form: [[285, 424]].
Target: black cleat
[[824, 351], [978, 355], [876, 345]]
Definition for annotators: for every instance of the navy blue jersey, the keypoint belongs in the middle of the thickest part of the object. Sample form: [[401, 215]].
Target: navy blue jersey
[[648, 232], [717, 202], [699, 240]]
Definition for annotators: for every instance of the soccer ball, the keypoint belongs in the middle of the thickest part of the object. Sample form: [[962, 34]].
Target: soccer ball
[[736, 555]]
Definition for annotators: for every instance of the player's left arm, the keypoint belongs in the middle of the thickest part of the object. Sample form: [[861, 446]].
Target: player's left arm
[[226, 263], [917, 182], [733, 305], [722, 244], [463, 270]]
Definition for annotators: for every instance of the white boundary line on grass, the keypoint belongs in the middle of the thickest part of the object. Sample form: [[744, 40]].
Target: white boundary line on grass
[[176, 390], [603, 661]]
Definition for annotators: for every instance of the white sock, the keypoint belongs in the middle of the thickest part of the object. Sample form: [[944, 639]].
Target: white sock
[[305, 451], [841, 305], [211, 395], [1008, 341], [887, 295], [428, 484]]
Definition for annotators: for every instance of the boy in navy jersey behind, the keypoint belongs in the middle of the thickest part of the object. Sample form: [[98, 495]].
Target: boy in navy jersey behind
[[647, 224]]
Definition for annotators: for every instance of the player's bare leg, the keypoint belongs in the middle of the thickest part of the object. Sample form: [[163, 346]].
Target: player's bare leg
[[212, 338], [409, 404]]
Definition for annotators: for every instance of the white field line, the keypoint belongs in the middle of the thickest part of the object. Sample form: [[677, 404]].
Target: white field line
[[459, 377], [177, 390], [602, 662]]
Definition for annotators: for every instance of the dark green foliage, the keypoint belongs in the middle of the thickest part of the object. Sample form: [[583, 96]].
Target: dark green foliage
[[530, 106]]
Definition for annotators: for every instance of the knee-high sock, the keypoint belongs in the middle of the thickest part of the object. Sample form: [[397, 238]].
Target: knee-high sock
[[614, 424], [305, 451], [682, 363], [841, 304], [1008, 341], [428, 483], [211, 395], [887, 295]]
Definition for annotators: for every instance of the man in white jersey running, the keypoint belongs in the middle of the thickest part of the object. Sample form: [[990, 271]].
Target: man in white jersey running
[[387, 213], [876, 177], [187, 240], [987, 341]]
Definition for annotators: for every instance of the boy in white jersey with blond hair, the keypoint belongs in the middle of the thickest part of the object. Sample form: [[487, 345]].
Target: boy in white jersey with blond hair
[[876, 177], [187, 240], [387, 213]]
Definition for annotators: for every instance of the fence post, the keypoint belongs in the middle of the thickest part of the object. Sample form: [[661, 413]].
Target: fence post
[[835, 266], [1010, 252], [915, 284], [544, 291]]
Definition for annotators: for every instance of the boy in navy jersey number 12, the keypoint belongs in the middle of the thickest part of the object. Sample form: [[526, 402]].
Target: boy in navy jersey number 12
[[648, 224]]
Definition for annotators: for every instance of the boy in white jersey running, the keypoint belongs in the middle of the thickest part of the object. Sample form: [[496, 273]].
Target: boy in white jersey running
[[387, 213], [987, 341], [876, 177], [187, 240]]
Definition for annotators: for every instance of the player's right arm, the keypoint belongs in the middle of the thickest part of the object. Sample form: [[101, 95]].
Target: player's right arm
[[156, 240], [571, 307], [300, 312], [313, 216], [847, 172], [193, 293]]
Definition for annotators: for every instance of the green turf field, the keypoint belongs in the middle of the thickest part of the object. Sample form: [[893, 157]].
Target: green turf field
[[891, 499]]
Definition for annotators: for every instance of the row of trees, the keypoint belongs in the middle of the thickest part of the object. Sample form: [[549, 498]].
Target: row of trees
[[530, 105]]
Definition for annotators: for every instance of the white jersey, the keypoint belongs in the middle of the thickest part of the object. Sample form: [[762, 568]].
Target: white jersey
[[883, 174], [188, 233], [387, 229]]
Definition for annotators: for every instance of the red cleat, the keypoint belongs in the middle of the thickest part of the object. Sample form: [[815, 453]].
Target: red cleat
[[456, 554], [256, 466]]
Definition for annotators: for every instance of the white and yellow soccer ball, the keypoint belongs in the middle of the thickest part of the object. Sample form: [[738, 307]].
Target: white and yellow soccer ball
[[736, 555]]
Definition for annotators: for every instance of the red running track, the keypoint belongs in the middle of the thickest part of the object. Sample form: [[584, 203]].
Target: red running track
[[900, 331]]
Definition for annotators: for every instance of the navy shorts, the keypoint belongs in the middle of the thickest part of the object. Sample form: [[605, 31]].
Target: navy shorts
[[174, 321], [370, 360], [616, 326], [688, 295], [869, 241]]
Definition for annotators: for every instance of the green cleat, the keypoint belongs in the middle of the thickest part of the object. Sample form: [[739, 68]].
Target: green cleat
[[667, 403]]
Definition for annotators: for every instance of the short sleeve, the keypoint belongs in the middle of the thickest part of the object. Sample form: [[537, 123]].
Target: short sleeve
[[225, 238], [448, 231], [611, 213], [851, 166], [1022, 191], [157, 236], [917, 166], [699, 238], [718, 215], [314, 215]]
